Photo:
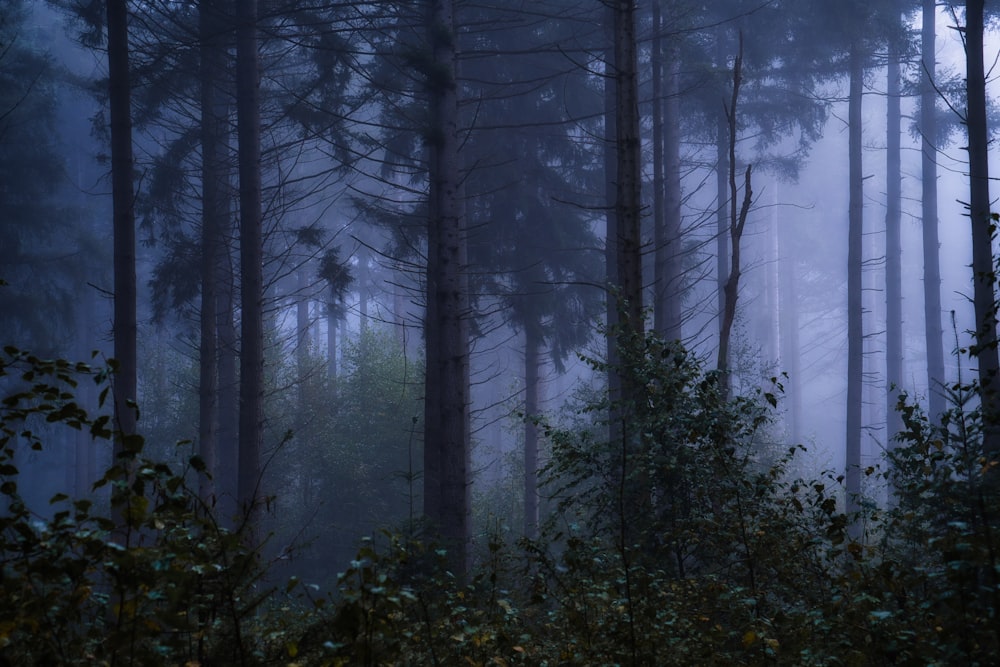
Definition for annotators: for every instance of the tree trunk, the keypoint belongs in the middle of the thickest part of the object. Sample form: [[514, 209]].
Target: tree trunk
[[737, 221], [660, 242], [123, 200], [722, 191], [855, 339], [984, 297], [893, 252], [790, 338], [228, 449], [331, 341], [532, 361], [251, 256], [215, 211], [628, 200], [672, 198], [446, 401], [929, 214], [611, 236]]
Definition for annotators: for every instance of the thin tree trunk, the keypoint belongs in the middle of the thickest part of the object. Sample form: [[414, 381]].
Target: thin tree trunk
[[331, 342], [251, 255], [984, 296], [228, 449], [123, 200], [893, 252], [611, 237], [660, 242], [722, 192], [737, 221], [790, 338], [532, 361], [855, 340], [672, 198], [446, 385], [933, 334]]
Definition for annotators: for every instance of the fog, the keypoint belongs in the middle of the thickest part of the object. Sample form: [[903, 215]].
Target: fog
[[344, 168]]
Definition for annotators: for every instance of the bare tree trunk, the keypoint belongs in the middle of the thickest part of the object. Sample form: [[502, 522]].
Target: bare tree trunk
[[933, 334], [737, 221], [984, 296], [228, 449], [722, 190], [893, 252], [446, 401], [251, 256], [660, 242], [611, 236], [790, 338], [855, 338], [532, 361], [672, 199], [123, 200]]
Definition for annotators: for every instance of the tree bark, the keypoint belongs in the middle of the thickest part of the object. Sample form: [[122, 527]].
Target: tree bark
[[855, 338], [251, 258], [983, 225], [737, 221], [672, 198], [532, 361], [446, 401], [722, 191], [215, 211], [628, 201], [123, 202], [933, 334], [893, 251]]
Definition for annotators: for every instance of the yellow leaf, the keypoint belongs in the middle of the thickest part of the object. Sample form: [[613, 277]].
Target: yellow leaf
[[292, 648], [749, 638]]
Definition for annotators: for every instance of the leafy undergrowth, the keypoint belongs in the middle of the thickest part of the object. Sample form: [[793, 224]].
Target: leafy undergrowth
[[684, 540]]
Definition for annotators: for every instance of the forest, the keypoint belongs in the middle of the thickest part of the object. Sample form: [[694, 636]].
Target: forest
[[436, 332]]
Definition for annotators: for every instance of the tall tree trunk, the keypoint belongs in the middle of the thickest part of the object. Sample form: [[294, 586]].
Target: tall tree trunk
[[672, 197], [790, 337], [215, 211], [532, 361], [855, 338], [933, 334], [228, 447], [737, 221], [446, 401], [251, 256], [123, 200], [660, 255], [628, 196], [722, 190], [984, 296], [611, 234], [893, 252]]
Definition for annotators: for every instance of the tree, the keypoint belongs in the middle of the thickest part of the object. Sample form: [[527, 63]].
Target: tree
[[737, 221], [893, 247], [855, 262], [983, 227], [929, 209], [215, 204], [251, 279], [446, 402], [123, 200]]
